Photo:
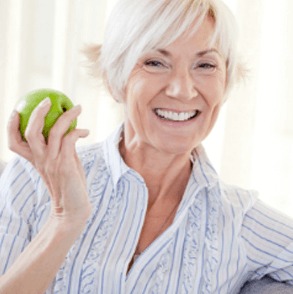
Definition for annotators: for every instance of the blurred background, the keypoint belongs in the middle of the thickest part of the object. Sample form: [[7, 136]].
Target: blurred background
[[252, 143]]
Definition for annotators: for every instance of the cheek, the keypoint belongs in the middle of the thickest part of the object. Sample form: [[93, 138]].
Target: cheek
[[135, 89], [214, 93], [135, 101]]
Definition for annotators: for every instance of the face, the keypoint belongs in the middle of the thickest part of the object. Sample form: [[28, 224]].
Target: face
[[174, 94]]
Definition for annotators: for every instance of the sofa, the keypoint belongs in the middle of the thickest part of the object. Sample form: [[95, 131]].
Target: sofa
[[266, 286]]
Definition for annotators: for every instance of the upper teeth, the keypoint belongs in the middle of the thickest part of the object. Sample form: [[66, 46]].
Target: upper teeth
[[176, 116]]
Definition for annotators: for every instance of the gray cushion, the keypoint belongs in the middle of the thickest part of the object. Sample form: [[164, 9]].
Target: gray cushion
[[266, 286]]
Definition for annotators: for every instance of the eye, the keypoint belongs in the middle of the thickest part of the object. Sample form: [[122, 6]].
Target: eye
[[206, 65], [154, 63], [155, 66]]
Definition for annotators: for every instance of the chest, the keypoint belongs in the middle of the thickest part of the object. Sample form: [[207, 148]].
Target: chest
[[156, 222], [182, 259]]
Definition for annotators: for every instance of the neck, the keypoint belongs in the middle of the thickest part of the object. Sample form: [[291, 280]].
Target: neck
[[165, 175]]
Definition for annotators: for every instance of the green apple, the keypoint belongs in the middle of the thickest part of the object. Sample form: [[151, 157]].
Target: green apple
[[59, 104]]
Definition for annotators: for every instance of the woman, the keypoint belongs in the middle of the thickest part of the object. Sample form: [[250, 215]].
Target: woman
[[144, 211]]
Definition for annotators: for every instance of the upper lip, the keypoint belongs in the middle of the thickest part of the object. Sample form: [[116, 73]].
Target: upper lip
[[176, 110]]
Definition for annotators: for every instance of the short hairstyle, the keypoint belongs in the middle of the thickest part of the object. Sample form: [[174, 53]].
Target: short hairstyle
[[137, 26]]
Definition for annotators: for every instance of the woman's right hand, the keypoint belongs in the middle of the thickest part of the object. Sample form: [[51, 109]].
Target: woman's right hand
[[57, 162]]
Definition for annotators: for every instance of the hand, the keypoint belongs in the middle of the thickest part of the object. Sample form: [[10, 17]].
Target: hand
[[57, 162]]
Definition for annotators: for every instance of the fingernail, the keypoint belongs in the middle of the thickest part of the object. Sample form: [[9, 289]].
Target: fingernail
[[77, 107], [45, 102]]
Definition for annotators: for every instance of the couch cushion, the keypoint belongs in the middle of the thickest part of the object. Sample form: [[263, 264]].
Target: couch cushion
[[266, 286]]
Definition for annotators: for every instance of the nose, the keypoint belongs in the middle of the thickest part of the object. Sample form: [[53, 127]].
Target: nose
[[181, 85]]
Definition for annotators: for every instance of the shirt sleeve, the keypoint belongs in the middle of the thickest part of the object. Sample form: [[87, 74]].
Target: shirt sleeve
[[17, 203], [268, 239]]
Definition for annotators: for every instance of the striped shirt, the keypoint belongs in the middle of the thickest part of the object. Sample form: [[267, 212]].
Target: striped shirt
[[221, 235]]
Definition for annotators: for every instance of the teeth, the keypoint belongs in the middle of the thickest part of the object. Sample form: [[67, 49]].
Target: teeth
[[181, 116], [175, 116]]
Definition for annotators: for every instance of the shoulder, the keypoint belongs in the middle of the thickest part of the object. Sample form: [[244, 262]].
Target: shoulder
[[20, 191], [18, 170], [231, 203], [267, 217], [238, 198]]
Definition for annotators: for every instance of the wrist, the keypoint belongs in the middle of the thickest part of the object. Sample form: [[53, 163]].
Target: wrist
[[65, 229]]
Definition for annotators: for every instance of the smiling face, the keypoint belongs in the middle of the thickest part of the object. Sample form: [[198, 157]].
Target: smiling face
[[174, 94]]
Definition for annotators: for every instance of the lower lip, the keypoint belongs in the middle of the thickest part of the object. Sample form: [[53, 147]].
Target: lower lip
[[176, 124]]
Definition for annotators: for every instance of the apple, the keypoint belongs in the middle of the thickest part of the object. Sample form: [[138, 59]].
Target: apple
[[59, 104]]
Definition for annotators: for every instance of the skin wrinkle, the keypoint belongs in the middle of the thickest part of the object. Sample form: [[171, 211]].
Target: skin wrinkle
[[147, 143]]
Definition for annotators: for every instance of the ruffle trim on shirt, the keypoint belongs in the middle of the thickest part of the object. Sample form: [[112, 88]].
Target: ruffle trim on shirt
[[99, 244], [211, 240], [162, 269], [212, 196], [189, 266], [191, 247]]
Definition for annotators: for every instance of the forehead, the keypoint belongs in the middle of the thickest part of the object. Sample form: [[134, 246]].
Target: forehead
[[198, 42], [202, 36]]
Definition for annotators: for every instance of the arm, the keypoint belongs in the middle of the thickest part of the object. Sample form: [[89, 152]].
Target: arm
[[268, 240], [38, 264], [58, 165]]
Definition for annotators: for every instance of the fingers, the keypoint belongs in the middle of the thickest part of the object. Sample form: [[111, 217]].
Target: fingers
[[35, 149], [60, 128], [70, 160], [34, 130], [15, 141], [68, 142]]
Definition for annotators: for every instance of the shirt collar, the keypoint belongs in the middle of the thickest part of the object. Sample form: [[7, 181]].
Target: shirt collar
[[114, 161], [205, 175], [202, 170]]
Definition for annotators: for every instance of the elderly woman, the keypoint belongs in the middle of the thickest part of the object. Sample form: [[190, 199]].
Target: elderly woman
[[144, 211]]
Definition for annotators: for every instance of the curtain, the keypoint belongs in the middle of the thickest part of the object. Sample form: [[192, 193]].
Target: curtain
[[252, 143]]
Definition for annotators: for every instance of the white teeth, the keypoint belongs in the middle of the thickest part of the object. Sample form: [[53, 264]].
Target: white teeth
[[181, 116], [175, 116]]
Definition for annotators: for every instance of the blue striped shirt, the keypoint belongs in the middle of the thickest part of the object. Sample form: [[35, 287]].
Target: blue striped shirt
[[221, 236]]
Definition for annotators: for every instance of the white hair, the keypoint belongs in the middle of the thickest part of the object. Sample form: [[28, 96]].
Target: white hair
[[137, 26]]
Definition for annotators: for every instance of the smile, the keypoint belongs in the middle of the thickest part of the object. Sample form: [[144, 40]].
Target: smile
[[176, 116]]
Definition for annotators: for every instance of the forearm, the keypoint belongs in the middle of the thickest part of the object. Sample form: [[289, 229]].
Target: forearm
[[36, 267]]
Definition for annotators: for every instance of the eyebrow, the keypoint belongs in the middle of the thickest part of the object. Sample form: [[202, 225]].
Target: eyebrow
[[199, 54]]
